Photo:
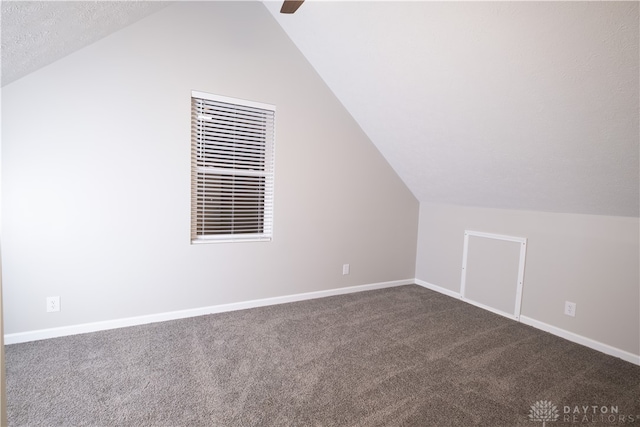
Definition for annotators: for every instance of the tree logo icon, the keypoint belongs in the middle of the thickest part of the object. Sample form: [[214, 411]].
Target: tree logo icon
[[543, 410]]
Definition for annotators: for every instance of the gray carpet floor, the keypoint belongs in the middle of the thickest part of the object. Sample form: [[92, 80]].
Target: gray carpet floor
[[404, 356]]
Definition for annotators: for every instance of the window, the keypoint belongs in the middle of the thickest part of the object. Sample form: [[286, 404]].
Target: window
[[232, 160]]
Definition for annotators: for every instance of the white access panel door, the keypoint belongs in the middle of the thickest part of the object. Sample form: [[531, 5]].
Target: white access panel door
[[493, 272]]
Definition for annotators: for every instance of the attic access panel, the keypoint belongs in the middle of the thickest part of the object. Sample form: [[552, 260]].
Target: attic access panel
[[493, 272]]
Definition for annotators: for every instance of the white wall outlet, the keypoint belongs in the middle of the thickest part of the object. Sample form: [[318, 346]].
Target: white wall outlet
[[53, 304], [345, 269], [570, 308]]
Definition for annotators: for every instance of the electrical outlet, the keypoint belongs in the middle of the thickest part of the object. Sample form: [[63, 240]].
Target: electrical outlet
[[570, 308], [53, 304], [345, 269]]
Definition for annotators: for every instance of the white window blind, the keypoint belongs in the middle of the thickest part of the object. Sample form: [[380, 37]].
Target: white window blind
[[232, 162]]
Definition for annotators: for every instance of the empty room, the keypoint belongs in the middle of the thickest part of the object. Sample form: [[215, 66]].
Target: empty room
[[320, 213]]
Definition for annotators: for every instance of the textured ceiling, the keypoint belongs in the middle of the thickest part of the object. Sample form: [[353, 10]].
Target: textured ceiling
[[35, 34], [516, 105]]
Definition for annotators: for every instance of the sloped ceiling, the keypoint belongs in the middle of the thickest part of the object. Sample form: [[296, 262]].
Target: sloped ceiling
[[514, 105], [509, 105]]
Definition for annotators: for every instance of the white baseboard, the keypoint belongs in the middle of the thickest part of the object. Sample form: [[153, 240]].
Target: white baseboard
[[459, 296], [573, 337], [173, 315], [579, 339], [437, 288]]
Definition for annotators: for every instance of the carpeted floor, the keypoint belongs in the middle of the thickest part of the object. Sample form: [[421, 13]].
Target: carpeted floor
[[404, 356]]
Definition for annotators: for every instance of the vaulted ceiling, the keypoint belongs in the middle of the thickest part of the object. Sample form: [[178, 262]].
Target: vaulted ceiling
[[515, 105]]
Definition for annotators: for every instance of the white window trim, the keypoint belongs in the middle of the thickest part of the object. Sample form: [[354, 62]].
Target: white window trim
[[269, 174]]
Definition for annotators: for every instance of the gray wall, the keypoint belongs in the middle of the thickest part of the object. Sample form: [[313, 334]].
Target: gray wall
[[96, 176], [587, 259]]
